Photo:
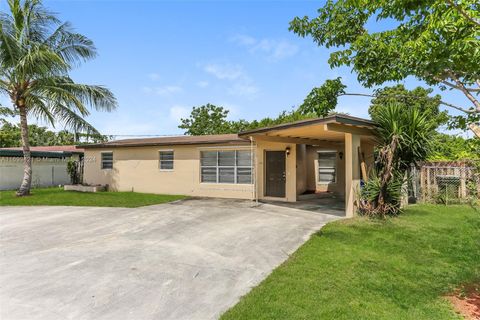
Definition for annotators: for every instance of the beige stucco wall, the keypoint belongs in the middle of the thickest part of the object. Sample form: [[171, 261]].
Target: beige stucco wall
[[136, 169], [312, 169], [302, 172]]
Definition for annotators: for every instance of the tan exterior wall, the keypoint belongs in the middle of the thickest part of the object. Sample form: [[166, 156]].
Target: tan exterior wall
[[312, 168], [302, 172], [137, 169]]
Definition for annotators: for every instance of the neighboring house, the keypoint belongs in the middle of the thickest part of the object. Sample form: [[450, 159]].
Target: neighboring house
[[49, 166], [275, 163]]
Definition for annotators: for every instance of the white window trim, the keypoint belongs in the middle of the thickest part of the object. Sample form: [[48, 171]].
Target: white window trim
[[235, 167], [101, 161], [318, 168], [159, 161]]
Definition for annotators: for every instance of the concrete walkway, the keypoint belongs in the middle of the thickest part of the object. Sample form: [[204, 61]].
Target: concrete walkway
[[191, 259]]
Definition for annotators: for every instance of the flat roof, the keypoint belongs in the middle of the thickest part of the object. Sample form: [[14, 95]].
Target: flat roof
[[34, 154], [65, 148], [337, 118], [172, 140]]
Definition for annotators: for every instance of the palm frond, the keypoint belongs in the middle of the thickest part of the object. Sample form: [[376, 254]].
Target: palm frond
[[76, 96], [72, 47], [40, 61], [71, 120], [39, 109], [7, 112]]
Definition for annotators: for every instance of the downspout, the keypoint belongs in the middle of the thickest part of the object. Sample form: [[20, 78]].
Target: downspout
[[253, 162]]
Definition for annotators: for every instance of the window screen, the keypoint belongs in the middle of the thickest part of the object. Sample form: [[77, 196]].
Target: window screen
[[166, 160], [327, 166], [228, 166], [107, 160]]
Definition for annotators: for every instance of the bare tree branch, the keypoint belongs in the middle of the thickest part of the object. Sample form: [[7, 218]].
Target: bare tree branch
[[463, 12], [454, 86], [475, 128], [465, 110], [467, 93]]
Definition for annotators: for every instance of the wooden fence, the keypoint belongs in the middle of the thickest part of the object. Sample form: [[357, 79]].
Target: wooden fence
[[452, 182]]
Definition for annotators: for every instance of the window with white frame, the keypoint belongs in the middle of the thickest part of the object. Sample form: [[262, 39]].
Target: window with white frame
[[327, 166], [166, 159], [107, 160], [226, 166]]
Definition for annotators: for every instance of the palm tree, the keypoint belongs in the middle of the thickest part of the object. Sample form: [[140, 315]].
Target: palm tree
[[37, 51]]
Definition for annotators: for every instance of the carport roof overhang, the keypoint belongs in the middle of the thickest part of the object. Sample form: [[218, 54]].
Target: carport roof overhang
[[313, 131]]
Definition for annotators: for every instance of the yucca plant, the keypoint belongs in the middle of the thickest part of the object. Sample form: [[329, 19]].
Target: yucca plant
[[37, 52], [404, 136]]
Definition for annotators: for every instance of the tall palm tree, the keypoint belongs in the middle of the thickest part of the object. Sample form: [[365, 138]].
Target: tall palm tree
[[37, 52]]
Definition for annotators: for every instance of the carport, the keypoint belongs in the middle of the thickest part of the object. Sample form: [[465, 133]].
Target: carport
[[319, 156]]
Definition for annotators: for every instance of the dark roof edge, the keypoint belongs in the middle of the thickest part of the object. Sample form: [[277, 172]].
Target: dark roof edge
[[339, 118], [36, 154], [153, 144]]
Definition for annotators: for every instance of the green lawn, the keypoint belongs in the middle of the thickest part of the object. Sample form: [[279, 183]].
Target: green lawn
[[59, 197], [363, 269]]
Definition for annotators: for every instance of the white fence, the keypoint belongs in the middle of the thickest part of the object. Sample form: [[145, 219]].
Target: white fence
[[46, 172]]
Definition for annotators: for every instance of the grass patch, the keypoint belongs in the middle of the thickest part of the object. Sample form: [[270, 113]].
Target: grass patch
[[400, 268], [59, 197]]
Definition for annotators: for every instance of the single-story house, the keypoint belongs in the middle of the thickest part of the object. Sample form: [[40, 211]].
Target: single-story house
[[49, 165], [280, 163]]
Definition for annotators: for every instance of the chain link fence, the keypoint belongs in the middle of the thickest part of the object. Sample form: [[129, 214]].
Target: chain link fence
[[447, 183]]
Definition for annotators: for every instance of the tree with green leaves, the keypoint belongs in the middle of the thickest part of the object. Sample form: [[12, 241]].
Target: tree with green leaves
[[437, 41], [206, 119], [417, 98], [37, 52], [10, 136], [211, 119], [446, 147]]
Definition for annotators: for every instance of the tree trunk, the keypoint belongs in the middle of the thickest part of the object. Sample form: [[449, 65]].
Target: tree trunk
[[475, 129], [27, 159]]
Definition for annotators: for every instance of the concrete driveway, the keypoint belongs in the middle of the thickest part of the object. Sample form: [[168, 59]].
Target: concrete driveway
[[191, 259]]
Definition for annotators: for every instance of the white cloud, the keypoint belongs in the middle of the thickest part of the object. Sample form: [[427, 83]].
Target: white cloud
[[202, 84], [162, 91], [272, 49], [179, 112], [225, 71], [243, 89], [154, 76], [240, 83], [168, 90], [243, 40]]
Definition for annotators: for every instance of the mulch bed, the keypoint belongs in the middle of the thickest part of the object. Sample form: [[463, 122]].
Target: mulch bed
[[466, 301]]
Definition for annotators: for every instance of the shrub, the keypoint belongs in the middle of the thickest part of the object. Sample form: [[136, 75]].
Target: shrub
[[373, 203]]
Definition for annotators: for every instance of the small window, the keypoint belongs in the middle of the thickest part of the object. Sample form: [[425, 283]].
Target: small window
[[166, 160], [107, 160], [327, 166]]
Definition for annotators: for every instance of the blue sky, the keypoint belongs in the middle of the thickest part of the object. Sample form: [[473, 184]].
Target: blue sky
[[162, 58]]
